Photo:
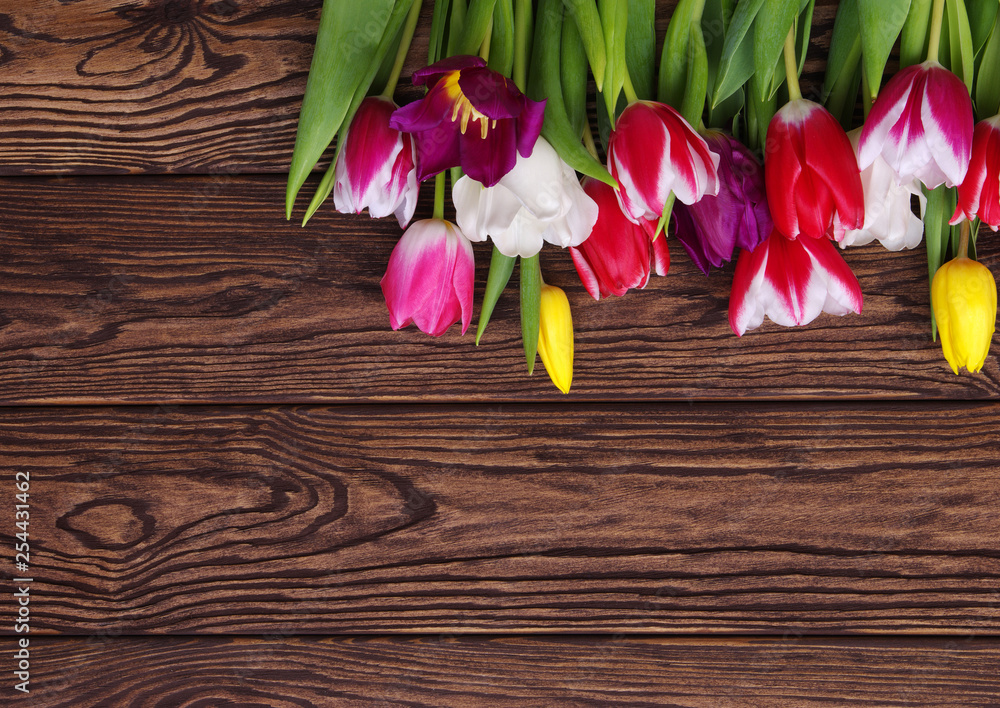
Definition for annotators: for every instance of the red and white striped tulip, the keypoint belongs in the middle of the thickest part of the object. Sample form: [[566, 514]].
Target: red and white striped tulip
[[811, 175], [792, 282], [652, 152], [921, 124], [979, 194], [376, 169], [429, 279]]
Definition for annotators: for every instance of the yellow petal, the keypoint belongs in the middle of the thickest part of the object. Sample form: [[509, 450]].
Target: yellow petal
[[964, 298], [555, 336]]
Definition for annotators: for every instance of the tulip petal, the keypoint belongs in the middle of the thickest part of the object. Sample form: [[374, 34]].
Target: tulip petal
[[429, 75]]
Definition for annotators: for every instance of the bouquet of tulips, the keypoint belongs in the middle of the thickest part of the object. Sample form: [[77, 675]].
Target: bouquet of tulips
[[714, 145]]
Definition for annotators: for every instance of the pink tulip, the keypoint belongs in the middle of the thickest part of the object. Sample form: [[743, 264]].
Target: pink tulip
[[811, 175], [429, 279], [652, 152], [979, 194], [792, 282], [921, 124], [375, 168], [616, 255]]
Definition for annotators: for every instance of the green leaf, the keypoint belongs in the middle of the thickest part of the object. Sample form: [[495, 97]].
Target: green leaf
[[346, 43], [988, 80], [736, 66], [982, 18], [640, 46], [614, 19], [502, 39], [759, 115], [588, 22], [545, 84], [913, 38], [963, 58], [844, 59], [456, 25], [531, 306], [714, 21], [880, 23], [501, 267], [771, 27], [477, 24], [574, 77], [935, 222], [676, 52], [693, 105], [439, 21]]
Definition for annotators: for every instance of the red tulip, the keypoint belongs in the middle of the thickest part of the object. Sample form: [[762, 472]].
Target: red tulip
[[792, 282], [811, 175], [616, 255], [429, 279], [652, 152], [979, 194]]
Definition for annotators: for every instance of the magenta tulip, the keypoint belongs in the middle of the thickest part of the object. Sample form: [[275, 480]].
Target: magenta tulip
[[375, 168], [812, 177], [429, 279], [712, 228], [472, 118], [979, 194], [616, 255], [652, 152], [792, 282], [921, 124]]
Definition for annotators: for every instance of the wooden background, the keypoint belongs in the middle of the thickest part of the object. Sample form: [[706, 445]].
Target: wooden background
[[247, 490]]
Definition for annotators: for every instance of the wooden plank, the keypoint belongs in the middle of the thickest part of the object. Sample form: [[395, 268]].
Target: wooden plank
[[197, 290], [113, 86], [715, 518], [462, 671]]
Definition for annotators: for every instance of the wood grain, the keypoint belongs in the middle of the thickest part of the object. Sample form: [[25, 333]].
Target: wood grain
[[181, 86], [197, 290], [707, 518], [280, 672]]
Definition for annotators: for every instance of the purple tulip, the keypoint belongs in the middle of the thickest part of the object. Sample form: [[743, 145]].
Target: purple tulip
[[712, 228], [472, 118]]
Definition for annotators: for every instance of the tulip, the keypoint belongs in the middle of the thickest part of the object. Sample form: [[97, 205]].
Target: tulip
[[888, 214], [979, 194], [812, 177], [616, 256], [964, 298], [710, 229], [654, 152], [555, 336], [472, 118], [375, 168], [429, 278], [792, 282], [539, 200], [921, 123]]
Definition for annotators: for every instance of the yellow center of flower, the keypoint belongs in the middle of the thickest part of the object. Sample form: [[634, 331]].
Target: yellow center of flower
[[463, 108]]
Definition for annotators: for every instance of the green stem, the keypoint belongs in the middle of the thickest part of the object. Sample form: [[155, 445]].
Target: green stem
[[630, 89], [439, 196], [866, 94], [522, 15], [937, 20], [404, 47], [963, 239], [792, 67], [588, 141], [484, 48]]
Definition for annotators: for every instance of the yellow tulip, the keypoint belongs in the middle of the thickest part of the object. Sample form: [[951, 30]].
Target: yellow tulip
[[555, 336], [964, 298]]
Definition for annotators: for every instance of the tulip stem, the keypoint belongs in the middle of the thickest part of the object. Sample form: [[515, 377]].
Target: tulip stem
[[439, 196], [963, 239], [522, 17], [404, 48], [792, 67], [588, 141], [937, 20], [630, 93], [484, 48]]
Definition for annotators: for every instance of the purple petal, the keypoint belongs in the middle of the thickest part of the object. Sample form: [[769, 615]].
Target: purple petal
[[488, 159], [437, 150], [490, 93], [429, 75], [529, 126]]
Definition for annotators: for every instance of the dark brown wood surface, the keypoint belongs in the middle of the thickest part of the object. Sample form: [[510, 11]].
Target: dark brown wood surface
[[835, 479], [198, 290], [712, 518], [445, 670]]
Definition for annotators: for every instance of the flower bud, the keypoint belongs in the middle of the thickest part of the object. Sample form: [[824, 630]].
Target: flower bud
[[964, 298], [555, 336]]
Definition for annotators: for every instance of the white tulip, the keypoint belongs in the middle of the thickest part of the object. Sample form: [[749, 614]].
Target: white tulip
[[539, 200]]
